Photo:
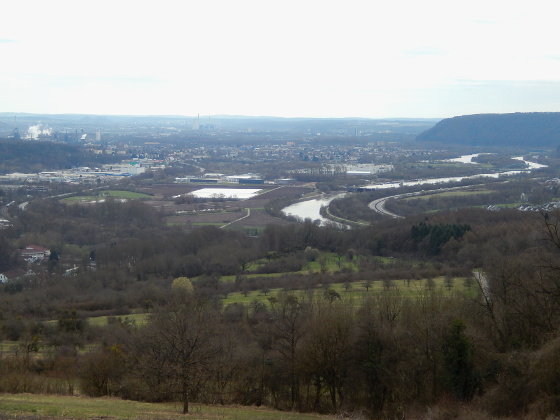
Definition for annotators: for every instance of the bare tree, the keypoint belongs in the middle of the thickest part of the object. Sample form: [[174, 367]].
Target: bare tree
[[175, 346], [289, 320], [327, 351]]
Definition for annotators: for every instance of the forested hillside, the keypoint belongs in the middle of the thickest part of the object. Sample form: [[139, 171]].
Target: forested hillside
[[390, 344], [37, 156], [533, 129]]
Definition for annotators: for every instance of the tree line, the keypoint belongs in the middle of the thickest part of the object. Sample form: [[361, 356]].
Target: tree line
[[37, 156], [381, 356], [305, 349]]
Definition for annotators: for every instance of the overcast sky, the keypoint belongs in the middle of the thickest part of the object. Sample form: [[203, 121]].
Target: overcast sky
[[378, 59]]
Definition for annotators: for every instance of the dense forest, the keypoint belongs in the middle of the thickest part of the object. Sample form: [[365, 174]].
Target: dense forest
[[37, 156], [486, 347], [533, 129]]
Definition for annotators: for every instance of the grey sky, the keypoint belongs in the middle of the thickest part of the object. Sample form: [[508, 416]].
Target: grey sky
[[284, 58]]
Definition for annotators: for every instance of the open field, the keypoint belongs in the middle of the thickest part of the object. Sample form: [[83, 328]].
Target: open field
[[137, 318], [457, 193], [125, 195], [258, 218], [269, 191], [354, 292], [330, 261], [221, 212], [357, 291], [27, 406]]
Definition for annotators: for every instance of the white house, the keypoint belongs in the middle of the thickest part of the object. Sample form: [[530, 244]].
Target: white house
[[34, 253], [12, 274]]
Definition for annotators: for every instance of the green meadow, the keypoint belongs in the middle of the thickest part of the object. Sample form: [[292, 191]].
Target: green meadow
[[457, 193], [136, 318], [102, 195], [19, 406], [357, 291], [354, 292]]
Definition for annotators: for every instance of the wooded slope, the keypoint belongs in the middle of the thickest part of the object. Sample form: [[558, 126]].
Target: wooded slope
[[518, 129]]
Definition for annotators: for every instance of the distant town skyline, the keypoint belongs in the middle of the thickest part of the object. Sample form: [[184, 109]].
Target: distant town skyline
[[317, 59]]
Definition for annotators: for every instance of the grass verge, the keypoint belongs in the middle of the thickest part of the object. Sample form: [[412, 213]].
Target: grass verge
[[18, 406]]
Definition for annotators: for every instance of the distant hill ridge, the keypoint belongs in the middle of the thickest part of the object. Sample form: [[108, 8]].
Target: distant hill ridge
[[516, 129]]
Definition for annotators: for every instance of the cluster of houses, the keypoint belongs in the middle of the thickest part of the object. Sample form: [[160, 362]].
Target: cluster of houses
[[30, 254], [554, 205], [82, 175]]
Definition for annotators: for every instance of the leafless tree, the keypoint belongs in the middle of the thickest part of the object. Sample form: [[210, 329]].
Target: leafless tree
[[289, 319], [176, 345], [327, 350]]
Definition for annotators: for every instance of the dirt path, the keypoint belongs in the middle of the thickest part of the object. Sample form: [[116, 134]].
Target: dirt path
[[236, 220]]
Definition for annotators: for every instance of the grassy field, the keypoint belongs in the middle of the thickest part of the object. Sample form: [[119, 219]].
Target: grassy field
[[458, 193], [330, 260], [17, 348], [357, 291], [100, 321], [48, 406], [351, 292], [128, 195], [331, 265], [124, 194]]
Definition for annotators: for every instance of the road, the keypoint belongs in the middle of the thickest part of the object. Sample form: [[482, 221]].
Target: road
[[379, 204], [5, 210]]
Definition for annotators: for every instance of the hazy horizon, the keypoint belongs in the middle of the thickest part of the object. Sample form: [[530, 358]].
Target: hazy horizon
[[312, 59], [218, 116]]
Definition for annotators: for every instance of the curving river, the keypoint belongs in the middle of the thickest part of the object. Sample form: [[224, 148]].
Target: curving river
[[311, 209]]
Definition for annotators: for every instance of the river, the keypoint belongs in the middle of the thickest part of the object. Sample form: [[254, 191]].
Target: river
[[310, 209], [464, 159]]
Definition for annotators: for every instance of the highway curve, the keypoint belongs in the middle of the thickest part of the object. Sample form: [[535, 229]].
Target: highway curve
[[379, 204]]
